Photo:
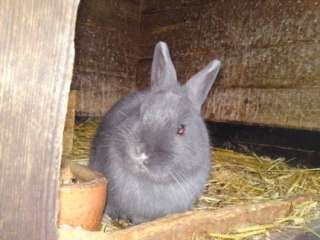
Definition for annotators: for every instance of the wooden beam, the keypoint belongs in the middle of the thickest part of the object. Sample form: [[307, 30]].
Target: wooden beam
[[36, 61], [290, 108], [196, 223], [69, 123]]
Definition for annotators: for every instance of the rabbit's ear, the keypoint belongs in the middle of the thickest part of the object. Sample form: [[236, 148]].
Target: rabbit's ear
[[163, 73], [200, 84]]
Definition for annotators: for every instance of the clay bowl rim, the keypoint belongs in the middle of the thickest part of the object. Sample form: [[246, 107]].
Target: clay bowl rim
[[96, 178]]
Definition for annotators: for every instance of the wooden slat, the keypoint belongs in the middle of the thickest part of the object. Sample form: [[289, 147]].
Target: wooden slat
[[293, 108], [197, 223], [36, 58], [69, 123]]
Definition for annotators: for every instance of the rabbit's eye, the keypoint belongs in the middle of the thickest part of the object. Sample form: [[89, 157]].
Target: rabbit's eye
[[181, 129]]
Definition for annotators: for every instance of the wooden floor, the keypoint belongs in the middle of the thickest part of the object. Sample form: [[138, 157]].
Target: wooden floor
[[296, 234]]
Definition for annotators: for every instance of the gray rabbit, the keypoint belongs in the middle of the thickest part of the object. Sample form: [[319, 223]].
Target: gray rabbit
[[153, 145]]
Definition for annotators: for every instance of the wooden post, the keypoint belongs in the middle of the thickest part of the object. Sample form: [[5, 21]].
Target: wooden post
[[68, 132], [36, 61]]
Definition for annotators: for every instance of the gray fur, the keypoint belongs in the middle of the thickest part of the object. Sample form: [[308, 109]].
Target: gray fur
[[152, 170]]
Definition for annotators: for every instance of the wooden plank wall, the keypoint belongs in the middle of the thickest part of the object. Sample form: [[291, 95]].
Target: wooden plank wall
[[107, 36], [36, 61], [270, 52]]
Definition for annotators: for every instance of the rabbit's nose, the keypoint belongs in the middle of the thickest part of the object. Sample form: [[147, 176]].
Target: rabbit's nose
[[140, 154]]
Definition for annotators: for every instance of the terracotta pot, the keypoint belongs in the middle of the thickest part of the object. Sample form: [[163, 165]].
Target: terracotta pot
[[82, 204]]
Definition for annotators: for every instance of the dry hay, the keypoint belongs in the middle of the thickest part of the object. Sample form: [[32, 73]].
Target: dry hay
[[238, 178], [235, 179], [83, 135]]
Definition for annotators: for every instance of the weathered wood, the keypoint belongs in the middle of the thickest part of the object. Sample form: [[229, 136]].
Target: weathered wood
[[298, 234], [153, 6], [107, 38], [276, 107], [69, 123], [197, 223], [36, 57]]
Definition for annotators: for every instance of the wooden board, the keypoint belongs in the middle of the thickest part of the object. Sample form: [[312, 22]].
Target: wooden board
[[36, 59], [292, 108], [107, 37], [298, 234], [196, 223], [69, 123]]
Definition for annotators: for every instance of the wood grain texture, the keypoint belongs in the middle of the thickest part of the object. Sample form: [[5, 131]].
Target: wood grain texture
[[280, 107], [197, 223], [107, 34], [69, 123], [267, 48], [36, 59]]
